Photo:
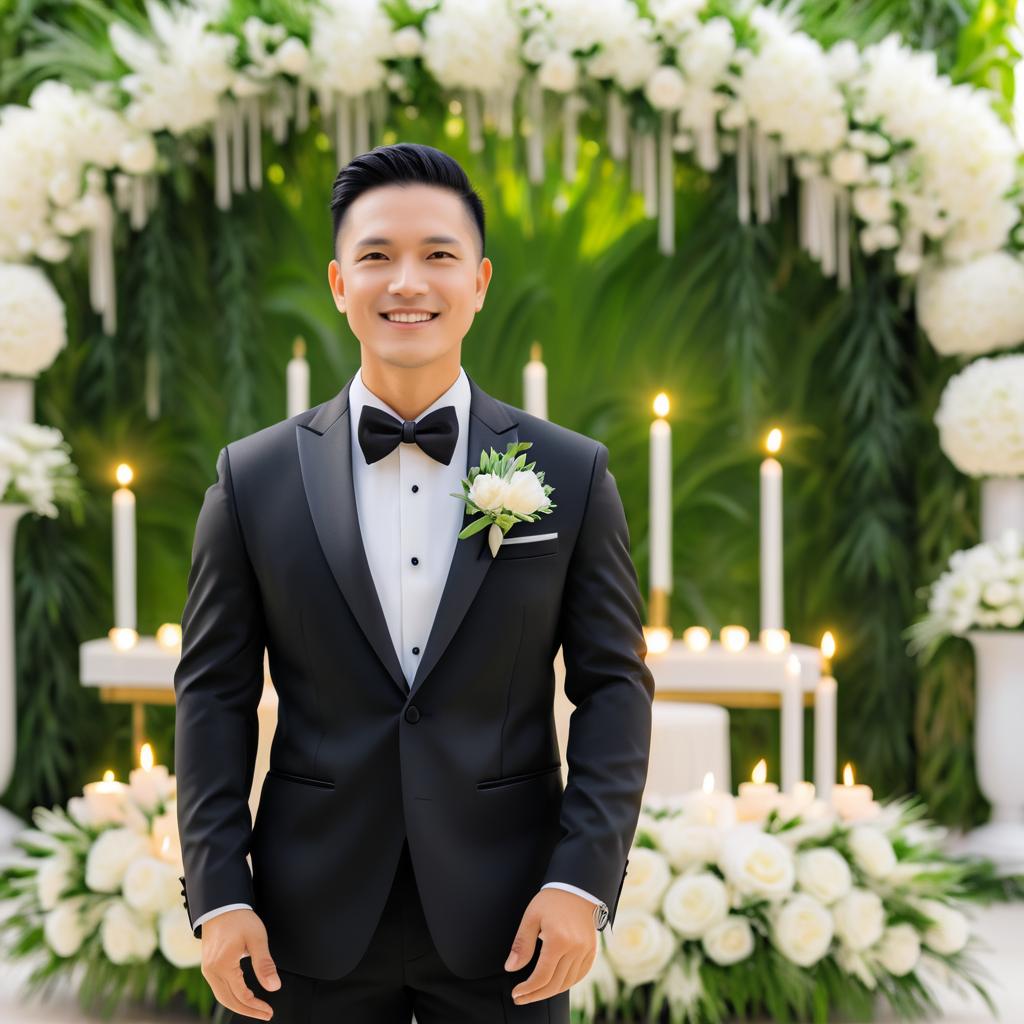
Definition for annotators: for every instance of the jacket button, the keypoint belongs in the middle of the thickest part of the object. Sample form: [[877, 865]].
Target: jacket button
[[412, 713], [415, 560]]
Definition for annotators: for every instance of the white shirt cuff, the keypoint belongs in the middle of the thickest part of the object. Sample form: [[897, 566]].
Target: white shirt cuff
[[573, 888], [219, 910]]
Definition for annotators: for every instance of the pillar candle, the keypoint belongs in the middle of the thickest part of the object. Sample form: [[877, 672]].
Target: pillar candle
[[124, 551], [297, 377], [771, 536], [535, 384], [660, 497]]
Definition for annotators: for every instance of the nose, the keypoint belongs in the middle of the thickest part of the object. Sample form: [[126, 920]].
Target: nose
[[405, 282]]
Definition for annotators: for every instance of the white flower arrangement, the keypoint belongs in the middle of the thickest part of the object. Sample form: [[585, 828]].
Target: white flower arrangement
[[36, 467], [983, 588], [876, 901], [97, 888], [33, 323], [981, 417], [973, 308]]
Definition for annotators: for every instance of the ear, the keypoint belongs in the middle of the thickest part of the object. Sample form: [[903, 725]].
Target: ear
[[337, 285]]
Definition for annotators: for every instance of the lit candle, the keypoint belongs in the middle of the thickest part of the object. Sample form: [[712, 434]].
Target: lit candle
[[660, 503], [149, 783], [697, 638], [771, 535], [792, 725], [123, 639], [774, 641], [168, 636], [105, 799], [535, 384], [708, 806], [757, 797], [825, 721], [852, 801], [124, 551], [734, 638], [297, 378]]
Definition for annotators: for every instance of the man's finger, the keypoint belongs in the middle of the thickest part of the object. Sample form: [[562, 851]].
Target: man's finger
[[523, 944], [542, 973], [555, 985], [222, 993], [245, 995], [263, 964]]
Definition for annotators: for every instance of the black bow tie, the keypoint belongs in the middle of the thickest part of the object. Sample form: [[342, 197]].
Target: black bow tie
[[436, 433]]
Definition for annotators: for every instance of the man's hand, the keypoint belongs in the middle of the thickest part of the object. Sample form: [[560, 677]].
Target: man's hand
[[226, 939], [565, 922]]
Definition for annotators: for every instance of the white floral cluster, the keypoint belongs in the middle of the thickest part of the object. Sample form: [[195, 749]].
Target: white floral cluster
[[36, 467], [817, 887], [113, 875], [981, 417], [983, 588], [33, 325]]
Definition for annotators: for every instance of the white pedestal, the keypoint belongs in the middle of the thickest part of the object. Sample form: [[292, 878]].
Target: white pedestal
[[1002, 506]]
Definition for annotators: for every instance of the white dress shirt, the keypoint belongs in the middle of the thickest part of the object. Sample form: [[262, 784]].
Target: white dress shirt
[[409, 495]]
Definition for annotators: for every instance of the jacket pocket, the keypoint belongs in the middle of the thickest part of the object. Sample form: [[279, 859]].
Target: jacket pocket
[[510, 780], [304, 779]]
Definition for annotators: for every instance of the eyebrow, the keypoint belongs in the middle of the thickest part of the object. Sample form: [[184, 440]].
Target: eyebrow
[[429, 240]]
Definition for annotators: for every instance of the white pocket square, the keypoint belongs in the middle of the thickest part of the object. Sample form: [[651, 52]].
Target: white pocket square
[[530, 539]]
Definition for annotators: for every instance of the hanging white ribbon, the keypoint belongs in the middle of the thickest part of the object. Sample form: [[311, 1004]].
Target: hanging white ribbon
[[505, 112], [222, 156], [301, 106], [649, 171], [102, 290], [342, 130], [843, 239], [152, 385], [571, 106], [254, 130], [616, 124], [237, 147], [743, 174], [279, 112], [535, 140], [361, 124], [666, 198], [139, 206], [474, 127], [762, 181]]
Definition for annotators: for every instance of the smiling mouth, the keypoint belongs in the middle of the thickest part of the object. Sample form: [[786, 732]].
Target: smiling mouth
[[408, 323]]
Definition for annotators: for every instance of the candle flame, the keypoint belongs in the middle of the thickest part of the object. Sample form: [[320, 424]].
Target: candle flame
[[661, 404], [828, 644], [848, 774], [697, 638], [146, 757], [166, 844], [709, 782], [734, 638], [760, 772], [108, 776], [299, 348], [169, 635], [535, 352], [774, 442], [124, 474]]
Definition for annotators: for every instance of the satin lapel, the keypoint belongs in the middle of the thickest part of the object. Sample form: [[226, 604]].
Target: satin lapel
[[490, 426], [325, 457]]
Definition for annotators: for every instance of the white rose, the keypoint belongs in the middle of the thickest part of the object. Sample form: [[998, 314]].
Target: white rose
[[860, 918], [802, 930], [151, 885], [666, 88], [126, 935], [685, 844], [693, 903], [824, 873], [63, 927], [525, 493], [873, 204], [900, 949], [559, 72], [138, 156], [109, 857], [640, 946], [177, 940], [757, 864], [848, 167], [646, 880], [872, 851], [292, 57], [487, 491], [949, 931], [78, 810], [729, 941], [53, 877]]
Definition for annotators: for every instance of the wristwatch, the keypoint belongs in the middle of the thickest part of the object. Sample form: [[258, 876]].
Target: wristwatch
[[600, 916]]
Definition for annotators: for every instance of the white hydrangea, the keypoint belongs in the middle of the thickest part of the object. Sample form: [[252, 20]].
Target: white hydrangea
[[33, 324], [35, 467], [629, 51], [975, 307], [981, 417], [472, 44]]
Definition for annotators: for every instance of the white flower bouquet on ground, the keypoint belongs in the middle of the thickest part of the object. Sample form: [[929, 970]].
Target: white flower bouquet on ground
[[797, 917], [96, 890]]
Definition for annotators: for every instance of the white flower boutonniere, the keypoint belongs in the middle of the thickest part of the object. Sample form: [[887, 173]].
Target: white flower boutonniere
[[504, 491]]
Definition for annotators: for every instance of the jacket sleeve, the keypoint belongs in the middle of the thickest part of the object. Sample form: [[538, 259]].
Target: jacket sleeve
[[217, 684], [611, 688]]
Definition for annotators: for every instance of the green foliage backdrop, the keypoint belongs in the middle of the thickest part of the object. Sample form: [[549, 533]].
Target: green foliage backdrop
[[739, 327]]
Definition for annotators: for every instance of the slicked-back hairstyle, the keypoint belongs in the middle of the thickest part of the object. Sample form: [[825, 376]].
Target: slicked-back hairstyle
[[403, 163]]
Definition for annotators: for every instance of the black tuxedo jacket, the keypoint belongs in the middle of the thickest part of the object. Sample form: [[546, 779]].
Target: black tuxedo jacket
[[464, 762]]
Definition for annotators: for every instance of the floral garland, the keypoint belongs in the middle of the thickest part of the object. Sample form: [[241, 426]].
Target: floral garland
[[801, 915], [887, 153]]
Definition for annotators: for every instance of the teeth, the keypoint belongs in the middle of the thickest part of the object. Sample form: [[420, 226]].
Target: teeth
[[409, 318]]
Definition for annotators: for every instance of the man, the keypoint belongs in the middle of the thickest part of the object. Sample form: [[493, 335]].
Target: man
[[414, 850]]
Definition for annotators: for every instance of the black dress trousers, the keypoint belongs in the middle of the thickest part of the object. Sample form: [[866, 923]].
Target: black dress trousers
[[400, 975]]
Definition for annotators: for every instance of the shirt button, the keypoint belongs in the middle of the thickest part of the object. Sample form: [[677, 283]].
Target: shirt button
[[415, 560], [415, 650], [415, 488]]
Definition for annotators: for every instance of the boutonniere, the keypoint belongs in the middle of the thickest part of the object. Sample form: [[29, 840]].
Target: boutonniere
[[505, 491]]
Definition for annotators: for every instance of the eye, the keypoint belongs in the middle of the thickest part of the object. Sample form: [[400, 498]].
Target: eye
[[442, 252], [368, 255]]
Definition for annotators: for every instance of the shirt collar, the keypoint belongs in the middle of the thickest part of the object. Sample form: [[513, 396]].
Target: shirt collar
[[458, 394]]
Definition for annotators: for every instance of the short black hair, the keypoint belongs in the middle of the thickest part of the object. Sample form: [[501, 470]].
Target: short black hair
[[398, 164]]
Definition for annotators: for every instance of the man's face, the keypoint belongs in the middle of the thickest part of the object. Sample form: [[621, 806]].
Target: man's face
[[408, 247]]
